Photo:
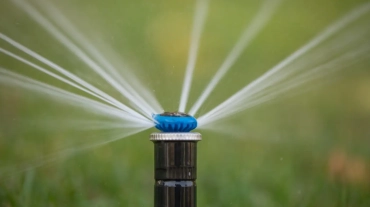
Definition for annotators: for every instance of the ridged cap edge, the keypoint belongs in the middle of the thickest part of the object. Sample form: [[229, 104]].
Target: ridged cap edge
[[181, 136]]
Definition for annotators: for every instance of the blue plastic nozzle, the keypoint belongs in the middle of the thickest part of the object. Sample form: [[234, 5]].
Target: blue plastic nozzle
[[174, 122]]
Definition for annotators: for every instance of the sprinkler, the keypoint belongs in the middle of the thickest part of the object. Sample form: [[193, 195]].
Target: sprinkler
[[175, 160]]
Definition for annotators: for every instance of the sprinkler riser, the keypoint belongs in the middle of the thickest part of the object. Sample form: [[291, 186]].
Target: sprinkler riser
[[175, 171], [175, 160]]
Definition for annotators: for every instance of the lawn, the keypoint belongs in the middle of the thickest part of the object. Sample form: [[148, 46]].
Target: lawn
[[307, 147]]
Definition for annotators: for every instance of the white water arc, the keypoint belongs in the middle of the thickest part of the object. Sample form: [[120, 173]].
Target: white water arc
[[124, 125], [267, 79], [78, 82], [13, 79], [55, 32], [355, 52], [128, 122], [264, 14], [320, 72], [200, 15], [137, 90]]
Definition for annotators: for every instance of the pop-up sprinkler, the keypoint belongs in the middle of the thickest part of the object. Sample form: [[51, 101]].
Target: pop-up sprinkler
[[175, 160]]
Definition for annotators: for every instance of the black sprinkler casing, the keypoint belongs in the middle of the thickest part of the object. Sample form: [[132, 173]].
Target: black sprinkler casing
[[175, 169]]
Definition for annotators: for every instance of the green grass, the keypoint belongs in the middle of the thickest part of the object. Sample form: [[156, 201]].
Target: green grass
[[309, 150]]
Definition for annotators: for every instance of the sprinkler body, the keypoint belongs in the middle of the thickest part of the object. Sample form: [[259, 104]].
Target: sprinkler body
[[175, 166]]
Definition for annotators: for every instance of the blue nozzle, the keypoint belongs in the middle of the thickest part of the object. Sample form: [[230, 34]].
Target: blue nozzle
[[174, 122]]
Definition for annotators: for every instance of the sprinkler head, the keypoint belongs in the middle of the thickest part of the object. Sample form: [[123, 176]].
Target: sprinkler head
[[174, 122]]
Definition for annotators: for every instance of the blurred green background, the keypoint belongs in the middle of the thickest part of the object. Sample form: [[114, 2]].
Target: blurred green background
[[311, 149]]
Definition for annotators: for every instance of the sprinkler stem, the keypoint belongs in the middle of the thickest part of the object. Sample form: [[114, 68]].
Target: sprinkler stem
[[175, 169]]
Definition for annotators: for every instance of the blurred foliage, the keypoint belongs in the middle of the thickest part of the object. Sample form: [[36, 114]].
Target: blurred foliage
[[311, 149]]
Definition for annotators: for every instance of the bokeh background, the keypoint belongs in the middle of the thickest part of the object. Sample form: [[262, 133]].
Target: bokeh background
[[310, 149]]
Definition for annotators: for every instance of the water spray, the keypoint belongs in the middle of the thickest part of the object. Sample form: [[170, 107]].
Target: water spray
[[175, 160]]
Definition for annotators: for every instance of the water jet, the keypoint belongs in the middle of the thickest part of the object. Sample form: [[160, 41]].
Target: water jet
[[175, 160]]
